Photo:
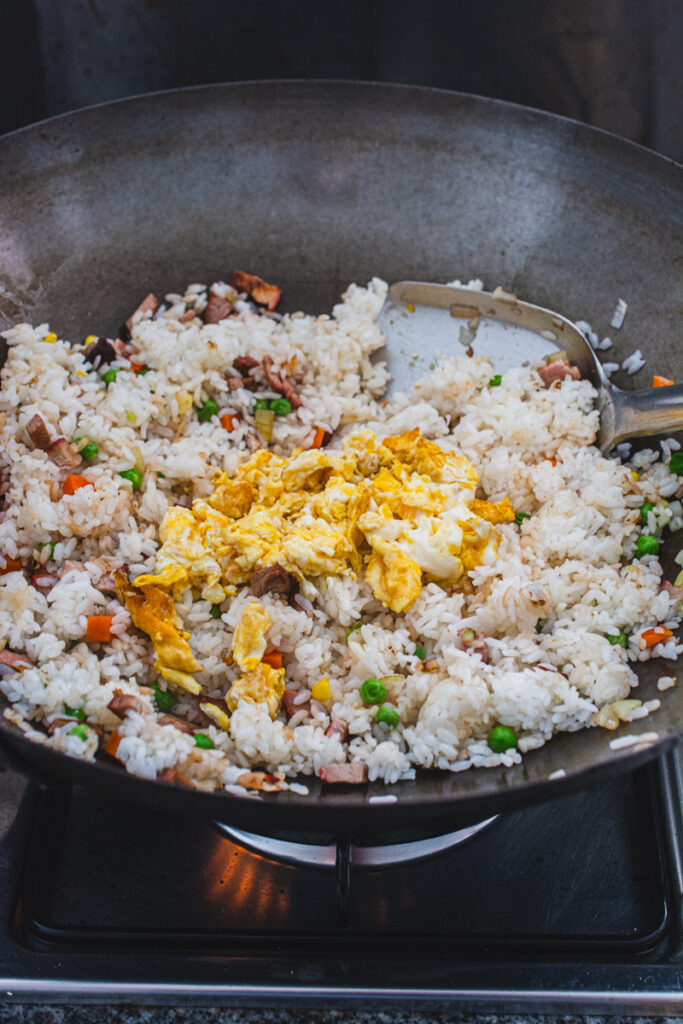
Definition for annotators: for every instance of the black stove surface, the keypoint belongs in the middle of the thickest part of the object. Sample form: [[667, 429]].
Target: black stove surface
[[573, 905]]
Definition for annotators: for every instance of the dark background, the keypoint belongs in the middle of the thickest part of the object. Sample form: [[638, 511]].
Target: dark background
[[611, 63]]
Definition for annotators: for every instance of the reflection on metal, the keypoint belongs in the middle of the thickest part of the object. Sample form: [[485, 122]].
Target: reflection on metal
[[359, 856]]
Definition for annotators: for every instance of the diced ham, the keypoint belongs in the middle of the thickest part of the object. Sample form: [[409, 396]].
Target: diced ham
[[558, 370], [63, 455], [171, 775], [38, 432], [280, 383], [44, 581], [188, 315], [217, 309], [14, 660], [291, 708], [259, 780], [272, 579], [344, 774], [178, 723], [121, 703], [474, 644], [120, 347], [245, 364], [675, 593], [242, 382], [338, 727], [267, 295], [100, 351], [149, 304]]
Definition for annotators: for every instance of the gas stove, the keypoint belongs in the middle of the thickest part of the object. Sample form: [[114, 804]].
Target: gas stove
[[570, 906]]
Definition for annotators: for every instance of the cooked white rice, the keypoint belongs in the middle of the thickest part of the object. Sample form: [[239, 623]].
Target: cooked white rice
[[565, 580]]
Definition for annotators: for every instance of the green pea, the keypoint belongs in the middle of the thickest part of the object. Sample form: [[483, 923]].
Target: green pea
[[373, 691], [618, 639], [521, 516], [209, 409], [646, 507], [162, 698], [353, 629], [646, 545], [502, 738], [262, 403], [141, 373], [420, 652], [203, 741], [90, 452], [388, 715], [215, 611], [80, 730], [78, 713], [281, 406], [676, 464], [134, 476], [109, 376], [496, 381]]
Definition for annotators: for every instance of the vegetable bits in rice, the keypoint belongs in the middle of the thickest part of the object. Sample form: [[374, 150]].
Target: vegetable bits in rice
[[226, 562]]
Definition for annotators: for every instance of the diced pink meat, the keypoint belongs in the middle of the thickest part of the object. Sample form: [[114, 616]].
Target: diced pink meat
[[558, 370], [675, 593], [44, 581], [178, 723], [245, 364], [272, 579], [474, 644], [267, 295], [171, 775], [290, 707], [149, 304], [62, 454], [344, 774], [38, 432], [217, 309], [338, 727], [100, 351], [121, 703], [14, 660], [279, 382]]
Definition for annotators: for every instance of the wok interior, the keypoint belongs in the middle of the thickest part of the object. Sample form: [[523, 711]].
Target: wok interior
[[315, 185]]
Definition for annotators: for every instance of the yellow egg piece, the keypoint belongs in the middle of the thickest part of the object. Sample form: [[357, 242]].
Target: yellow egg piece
[[249, 641]]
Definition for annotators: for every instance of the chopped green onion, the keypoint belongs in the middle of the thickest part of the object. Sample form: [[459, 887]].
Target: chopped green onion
[[78, 713], [676, 463], [264, 418], [53, 544], [468, 635], [80, 730], [109, 376], [353, 629], [420, 652], [646, 545], [131, 417], [496, 381], [262, 403], [141, 373], [521, 516], [160, 476], [134, 476], [502, 738], [373, 691], [388, 715], [281, 406], [90, 452], [646, 507], [162, 698], [540, 623], [209, 409], [215, 611], [203, 741], [618, 639]]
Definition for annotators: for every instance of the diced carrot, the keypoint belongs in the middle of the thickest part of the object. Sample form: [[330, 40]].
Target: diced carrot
[[99, 629], [136, 367], [112, 744], [73, 482], [273, 658], [11, 565], [228, 422], [661, 382], [318, 438], [650, 637], [553, 462]]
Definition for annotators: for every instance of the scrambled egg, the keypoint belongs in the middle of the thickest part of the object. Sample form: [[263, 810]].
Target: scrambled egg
[[403, 509]]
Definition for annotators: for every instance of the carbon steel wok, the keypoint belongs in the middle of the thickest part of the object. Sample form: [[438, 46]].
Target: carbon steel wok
[[313, 185]]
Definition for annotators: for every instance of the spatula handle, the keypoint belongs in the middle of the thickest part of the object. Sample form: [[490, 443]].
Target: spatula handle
[[650, 411]]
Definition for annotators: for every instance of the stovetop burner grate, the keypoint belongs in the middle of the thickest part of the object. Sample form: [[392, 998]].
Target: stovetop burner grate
[[580, 896]]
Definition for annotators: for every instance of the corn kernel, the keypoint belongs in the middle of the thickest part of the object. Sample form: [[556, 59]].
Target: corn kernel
[[636, 476], [321, 689], [184, 400], [89, 340], [81, 373], [50, 337], [410, 307]]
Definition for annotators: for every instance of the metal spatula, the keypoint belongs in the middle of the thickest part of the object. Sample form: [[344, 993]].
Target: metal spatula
[[422, 320]]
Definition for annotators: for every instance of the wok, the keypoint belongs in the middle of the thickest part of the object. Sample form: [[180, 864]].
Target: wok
[[313, 185]]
